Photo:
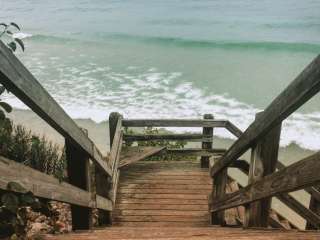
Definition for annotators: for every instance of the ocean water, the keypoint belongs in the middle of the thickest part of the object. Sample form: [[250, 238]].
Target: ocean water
[[177, 58]]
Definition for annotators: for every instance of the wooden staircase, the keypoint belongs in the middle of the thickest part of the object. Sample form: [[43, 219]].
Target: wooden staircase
[[163, 194]]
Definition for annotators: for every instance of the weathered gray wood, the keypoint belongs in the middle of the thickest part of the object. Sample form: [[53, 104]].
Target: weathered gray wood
[[196, 151], [131, 155], [45, 186], [19, 81], [297, 176], [173, 123], [308, 214], [315, 193], [174, 137], [304, 87], [233, 129], [204, 161], [314, 206], [78, 168], [218, 191], [115, 124], [264, 158], [289, 201]]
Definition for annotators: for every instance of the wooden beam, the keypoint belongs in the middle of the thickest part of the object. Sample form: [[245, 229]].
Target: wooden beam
[[233, 129], [131, 155], [78, 169], [196, 151], [314, 206], [173, 123], [204, 161], [19, 81], [173, 137], [304, 87], [45, 186], [289, 201], [219, 188], [297, 176], [264, 158]]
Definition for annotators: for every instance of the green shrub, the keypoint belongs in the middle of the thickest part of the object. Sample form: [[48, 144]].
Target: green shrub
[[160, 143]]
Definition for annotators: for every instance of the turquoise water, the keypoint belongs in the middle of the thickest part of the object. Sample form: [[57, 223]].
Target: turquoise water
[[171, 58]]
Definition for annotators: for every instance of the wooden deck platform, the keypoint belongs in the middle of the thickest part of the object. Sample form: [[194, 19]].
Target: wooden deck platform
[[169, 200]]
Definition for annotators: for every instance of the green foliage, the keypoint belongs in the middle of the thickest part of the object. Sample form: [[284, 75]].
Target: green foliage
[[7, 35], [159, 143], [19, 144], [13, 210]]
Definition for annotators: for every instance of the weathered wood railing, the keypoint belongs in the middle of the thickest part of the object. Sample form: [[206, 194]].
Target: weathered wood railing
[[207, 124], [262, 136], [92, 177]]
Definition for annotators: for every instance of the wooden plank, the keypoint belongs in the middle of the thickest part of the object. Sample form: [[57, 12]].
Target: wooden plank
[[264, 158], [304, 87], [131, 155], [315, 193], [196, 151], [77, 169], [174, 137], [314, 206], [233, 129], [204, 161], [306, 213], [173, 123], [292, 203], [218, 191], [296, 176], [19, 81], [115, 125], [43, 185]]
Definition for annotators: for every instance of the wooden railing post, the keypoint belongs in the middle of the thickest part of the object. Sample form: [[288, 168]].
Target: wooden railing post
[[218, 191], [206, 145], [314, 206], [79, 174], [264, 157]]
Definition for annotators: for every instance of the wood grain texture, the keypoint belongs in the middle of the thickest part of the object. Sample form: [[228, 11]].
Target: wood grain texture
[[175, 197], [19, 81], [304, 87], [297, 176], [264, 158], [131, 155], [45, 186], [173, 123], [204, 161], [165, 231], [174, 137]]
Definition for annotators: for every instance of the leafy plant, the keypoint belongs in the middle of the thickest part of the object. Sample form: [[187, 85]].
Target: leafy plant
[[7, 34], [159, 143]]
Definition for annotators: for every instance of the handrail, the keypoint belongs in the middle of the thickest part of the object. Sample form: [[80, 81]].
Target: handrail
[[304, 87], [18, 80], [294, 177]]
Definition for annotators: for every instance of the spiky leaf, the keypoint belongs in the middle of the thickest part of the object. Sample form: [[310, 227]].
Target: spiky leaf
[[10, 201], [16, 187], [6, 107], [9, 32], [12, 46], [19, 41], [15, 25], [3, 24]]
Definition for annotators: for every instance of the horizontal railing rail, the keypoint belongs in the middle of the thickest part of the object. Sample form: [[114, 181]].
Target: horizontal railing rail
[[91, 176], [262, 137]]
